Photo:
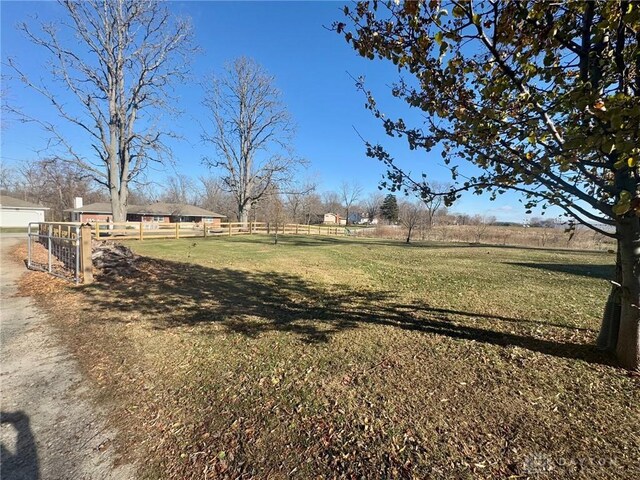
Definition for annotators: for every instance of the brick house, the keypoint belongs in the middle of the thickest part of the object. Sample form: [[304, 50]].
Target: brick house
[[159, 212]]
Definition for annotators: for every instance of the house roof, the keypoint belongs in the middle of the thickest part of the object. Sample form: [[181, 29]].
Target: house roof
[[98, 207], [178, 209], [159, 208], [11, 202]]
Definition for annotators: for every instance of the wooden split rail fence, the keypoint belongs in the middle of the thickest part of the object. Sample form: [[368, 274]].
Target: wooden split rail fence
[[64, 249], [158, 230]]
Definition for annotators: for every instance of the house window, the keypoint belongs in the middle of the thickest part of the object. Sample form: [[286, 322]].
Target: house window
[[158, 218]]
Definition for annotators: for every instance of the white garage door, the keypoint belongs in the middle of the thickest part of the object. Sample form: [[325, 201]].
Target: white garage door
[[20, 218]]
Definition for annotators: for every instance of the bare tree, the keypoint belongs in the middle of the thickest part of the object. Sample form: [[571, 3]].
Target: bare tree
[[8, 179], [251, 132], [349, 194], [179, 188], [372, 205], [412, 215], [216, 198], [480, 224], [53, 183], [143, 193], [331, 202], [435, 201], [116, 59], [313, 208], [296, 200]]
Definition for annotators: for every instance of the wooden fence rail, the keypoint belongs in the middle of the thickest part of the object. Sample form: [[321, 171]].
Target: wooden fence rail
[[157, 230]]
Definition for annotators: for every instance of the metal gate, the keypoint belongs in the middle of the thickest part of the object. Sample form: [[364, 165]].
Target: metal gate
[[55, 248]]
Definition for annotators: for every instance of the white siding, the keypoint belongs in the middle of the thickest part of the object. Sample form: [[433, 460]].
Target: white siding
[[19, 218]]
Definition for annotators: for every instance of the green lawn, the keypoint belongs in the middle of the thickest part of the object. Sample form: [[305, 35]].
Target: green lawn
[[326, 357]]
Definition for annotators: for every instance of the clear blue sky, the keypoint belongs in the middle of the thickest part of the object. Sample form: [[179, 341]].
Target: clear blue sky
[[311, 65]]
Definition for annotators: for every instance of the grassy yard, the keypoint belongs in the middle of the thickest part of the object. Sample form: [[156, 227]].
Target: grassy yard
[[325, 357]]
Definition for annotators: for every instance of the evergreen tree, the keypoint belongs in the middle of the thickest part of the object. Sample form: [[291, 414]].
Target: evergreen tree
[[389, 208]]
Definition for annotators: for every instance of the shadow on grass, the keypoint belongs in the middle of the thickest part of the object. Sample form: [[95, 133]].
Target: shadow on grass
[[317, 240], [604, 272], [173, 294], [313, 240]]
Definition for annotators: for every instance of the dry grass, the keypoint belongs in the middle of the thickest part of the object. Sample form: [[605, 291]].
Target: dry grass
[[582, 238], [325, 357]]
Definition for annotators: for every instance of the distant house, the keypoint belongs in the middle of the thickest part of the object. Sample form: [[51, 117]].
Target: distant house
[[154, 212], [18, 213], [363, 219], [172, 213], [333, 219]]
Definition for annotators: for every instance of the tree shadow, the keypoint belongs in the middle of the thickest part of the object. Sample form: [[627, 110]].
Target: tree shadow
[[604, 272], [304, 240], [20, 462], [322, 240], [252, 303]]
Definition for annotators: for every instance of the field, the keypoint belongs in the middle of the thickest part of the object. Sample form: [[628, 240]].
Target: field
[[324, 357]]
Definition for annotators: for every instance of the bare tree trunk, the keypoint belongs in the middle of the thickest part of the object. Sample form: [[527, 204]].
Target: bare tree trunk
[[628, 345], [243, 215], [118, 205]]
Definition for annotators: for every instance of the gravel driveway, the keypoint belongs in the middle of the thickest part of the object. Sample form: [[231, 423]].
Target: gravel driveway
[[49, 428]]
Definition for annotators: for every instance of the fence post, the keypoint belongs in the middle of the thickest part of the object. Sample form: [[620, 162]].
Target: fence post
[[29, 244], [141, 236], [97, 225], [250, 228], [77, 247], [177, 229], [229, 225], [85, 254], [50, 233], [204, 227]]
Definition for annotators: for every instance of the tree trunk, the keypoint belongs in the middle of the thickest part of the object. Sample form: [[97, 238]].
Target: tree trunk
[[628, 344], [608, 336], [243, 215], [118, 208]]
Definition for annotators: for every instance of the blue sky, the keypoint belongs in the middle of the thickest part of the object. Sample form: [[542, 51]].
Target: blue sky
[[312, 67]]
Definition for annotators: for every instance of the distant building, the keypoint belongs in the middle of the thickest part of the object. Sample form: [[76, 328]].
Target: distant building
[[331, 219], [356, 218], [363, 219], [154, 212], [19, 213]]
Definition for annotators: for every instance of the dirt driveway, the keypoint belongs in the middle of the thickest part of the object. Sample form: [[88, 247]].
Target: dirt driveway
[[49, 428]]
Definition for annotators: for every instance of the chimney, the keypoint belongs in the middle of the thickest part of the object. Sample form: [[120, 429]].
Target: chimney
[[77, 202]]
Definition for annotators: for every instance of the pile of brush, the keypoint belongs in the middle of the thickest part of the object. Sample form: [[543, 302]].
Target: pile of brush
[[113, 259]]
